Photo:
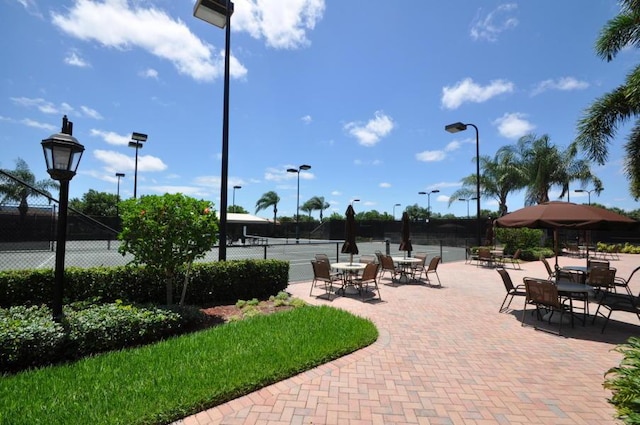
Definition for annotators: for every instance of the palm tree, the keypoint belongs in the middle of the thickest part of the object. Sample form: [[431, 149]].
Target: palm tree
[[599, 124], [318, 203], [14, 191], [269, 199]]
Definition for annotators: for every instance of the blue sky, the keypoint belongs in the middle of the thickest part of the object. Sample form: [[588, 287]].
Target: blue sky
[[361, 91]]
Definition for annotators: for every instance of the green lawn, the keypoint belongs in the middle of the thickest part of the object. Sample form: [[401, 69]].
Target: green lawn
[[163, 382]]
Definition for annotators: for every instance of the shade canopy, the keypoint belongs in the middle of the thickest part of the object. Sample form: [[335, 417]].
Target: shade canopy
[[405, 242], [349, 246], [566, 215]]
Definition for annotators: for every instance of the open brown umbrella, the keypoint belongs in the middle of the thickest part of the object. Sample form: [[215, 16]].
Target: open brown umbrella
[[565, 215], [405, 243], [349, 246]]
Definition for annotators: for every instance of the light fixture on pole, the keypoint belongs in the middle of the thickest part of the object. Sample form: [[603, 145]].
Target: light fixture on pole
[[118, 176], [218, 13], [354, 200], [455, 128], [62, 153], [137, 140], [469, 199], [429, 200], [297, 171], [394, 211], [234, 196], [586, 191]]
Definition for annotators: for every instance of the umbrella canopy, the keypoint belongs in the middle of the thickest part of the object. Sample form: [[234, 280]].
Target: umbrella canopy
[[405, 243], [565, 215], [349, 246]]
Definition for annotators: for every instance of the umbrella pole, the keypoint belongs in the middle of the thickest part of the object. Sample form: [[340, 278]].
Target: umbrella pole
[[555, 246], [350, 259]]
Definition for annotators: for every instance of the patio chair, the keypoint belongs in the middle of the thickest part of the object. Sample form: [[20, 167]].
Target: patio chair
[[597, 263], [620, 282], [512, 291], [368, 279], [617, 302], [367, 259], [550, 271], [322, 257], [419, 268], [388, 266], [543, 294], [433, 268], [484, 256], [470, 256], [602, 279], [322, 274], [514, 259]]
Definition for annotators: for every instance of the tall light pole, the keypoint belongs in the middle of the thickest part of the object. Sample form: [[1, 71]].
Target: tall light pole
[[218, 13], [394, 211], [62, 153], [137, 140], [234, 196], [354, 200], [465, 199], [454, 128], [587, 191], [304, 167], [119, 176], [429, 200]]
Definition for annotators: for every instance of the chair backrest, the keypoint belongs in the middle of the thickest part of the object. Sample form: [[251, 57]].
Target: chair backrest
[[571, 276], [422, 256], [322, 257], [484, 253], [367, 259], [321, 269], [506, 280], [597, 263], [600, 277], [542, 292], [516, 255], [433, 264], [546, 265], [387, 262], [370, 272]]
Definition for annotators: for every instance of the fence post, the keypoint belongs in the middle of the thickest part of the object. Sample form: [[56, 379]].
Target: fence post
[[387, 246], [265, 251], [442, 259]]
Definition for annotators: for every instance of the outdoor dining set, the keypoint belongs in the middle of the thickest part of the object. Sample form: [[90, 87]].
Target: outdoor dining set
[[567, 292], [363, 276]]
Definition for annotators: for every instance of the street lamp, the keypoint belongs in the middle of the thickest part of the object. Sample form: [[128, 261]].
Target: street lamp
[[304, 167], [234, 196], [454, 128], [218, 13], [465, 199], [119, 176], [587, 191], [429, 200], [138, 139], [62, 153], [354, 200], [394, 210]]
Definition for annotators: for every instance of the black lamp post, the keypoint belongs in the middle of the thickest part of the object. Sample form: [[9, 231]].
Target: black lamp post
[[218, 13], [394, 211], [297, 171], [119, 176], [429, 200], [234, 196], [465, 199], [587, 191], [138, 139], [62, 153], [454, 128], [354, 200]]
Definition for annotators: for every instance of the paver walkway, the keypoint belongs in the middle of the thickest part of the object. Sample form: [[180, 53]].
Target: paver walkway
[[446, 356]]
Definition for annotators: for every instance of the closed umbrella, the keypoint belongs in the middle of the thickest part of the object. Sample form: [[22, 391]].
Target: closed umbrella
[[405, 243], [565, 215], [349, 246]]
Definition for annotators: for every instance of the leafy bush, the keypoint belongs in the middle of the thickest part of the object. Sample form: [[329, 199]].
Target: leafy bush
[[522, 238], [624, 382]]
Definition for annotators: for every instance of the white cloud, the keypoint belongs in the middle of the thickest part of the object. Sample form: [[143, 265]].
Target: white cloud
[[513, 125], [74, 59], [281, 174], [91, 113], [468, 91], [306, 119], [562, 84], [385, 185], [119, 162], [494, 23], [430, 156], [36, 124], [452, 146], [42, 105], [371, 133], [283, 24], [336, 193], [111, 137], [117, 24], [149, 73]]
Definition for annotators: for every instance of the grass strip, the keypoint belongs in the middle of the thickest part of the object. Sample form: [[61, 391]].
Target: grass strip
[[163, 382]]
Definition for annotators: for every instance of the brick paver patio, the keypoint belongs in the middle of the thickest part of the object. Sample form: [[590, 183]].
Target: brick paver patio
[[446, 356]]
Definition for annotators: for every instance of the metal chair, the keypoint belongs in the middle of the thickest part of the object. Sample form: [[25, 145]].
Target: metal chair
[[512, 290], [433, 268], [514, 259], [369, 278], [620, 282], [421, 267], [322, 274], [543, 294], [388, 266]]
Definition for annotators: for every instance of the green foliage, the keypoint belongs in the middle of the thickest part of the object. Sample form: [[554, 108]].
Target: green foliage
[[237, 209], [522, 238], [624, 382], [210, 283], [96, 204], [167, 232], [12, 191]]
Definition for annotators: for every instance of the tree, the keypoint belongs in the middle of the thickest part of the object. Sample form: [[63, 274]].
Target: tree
[[13, 191], [308, 207], [167, 233], [318, 203], [237, 209], [269, 199], [599, 123], [96, 204]]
